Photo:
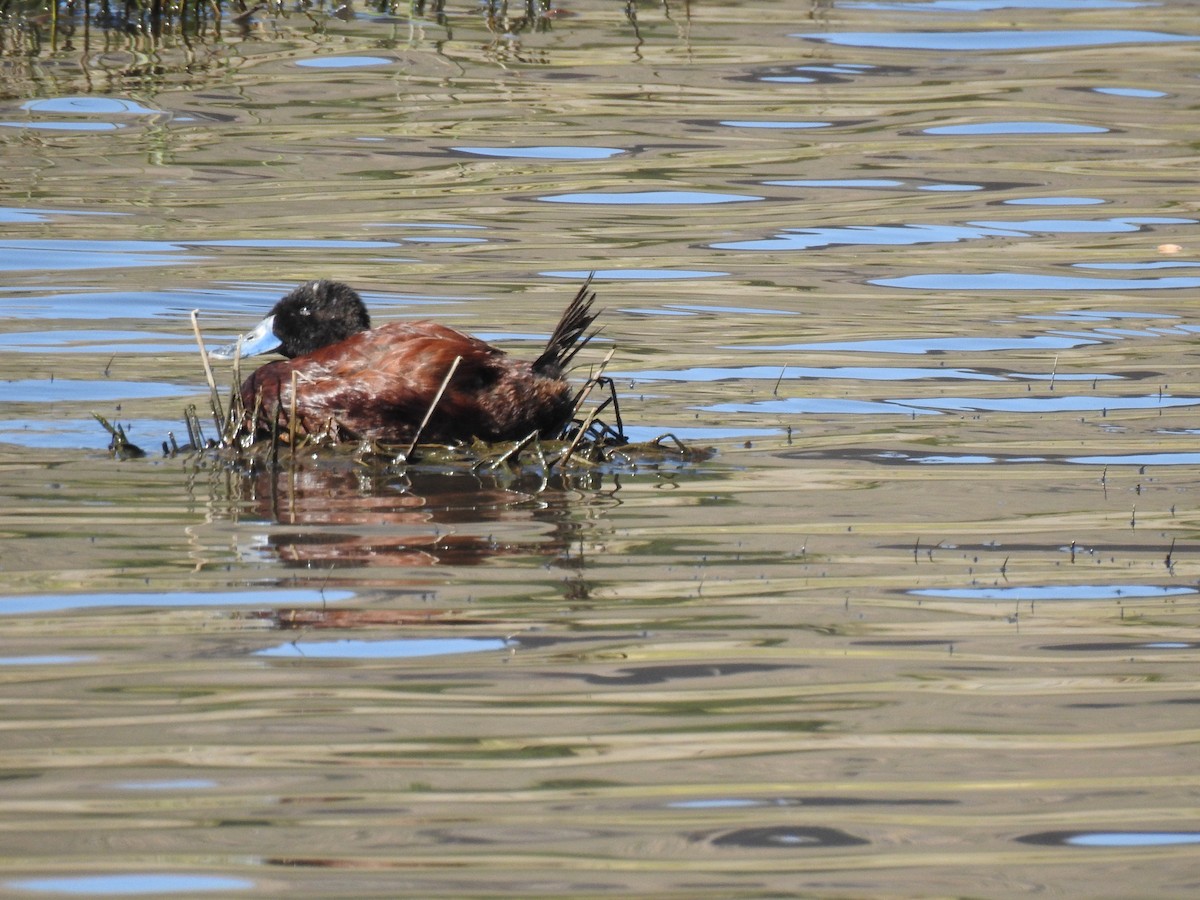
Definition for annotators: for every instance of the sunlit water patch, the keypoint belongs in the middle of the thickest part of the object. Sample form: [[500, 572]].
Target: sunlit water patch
[[404, 648]]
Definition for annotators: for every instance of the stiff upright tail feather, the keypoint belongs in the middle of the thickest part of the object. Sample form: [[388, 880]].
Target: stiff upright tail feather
[[566, 340]]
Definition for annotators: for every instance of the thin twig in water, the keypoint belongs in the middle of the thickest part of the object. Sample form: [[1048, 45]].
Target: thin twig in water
[[1053, 372], [437, 398], [218, 416], [775, 393]]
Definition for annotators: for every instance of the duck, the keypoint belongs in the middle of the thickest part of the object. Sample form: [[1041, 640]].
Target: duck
[[385, 384]]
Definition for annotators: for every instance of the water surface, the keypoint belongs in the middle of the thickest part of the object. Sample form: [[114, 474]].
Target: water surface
[[923, 273]]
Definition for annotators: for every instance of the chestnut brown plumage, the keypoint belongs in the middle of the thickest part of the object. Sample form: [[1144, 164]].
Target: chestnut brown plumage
[[378, 384]]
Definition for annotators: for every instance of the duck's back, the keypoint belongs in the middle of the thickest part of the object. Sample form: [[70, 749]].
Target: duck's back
[[379, 384]]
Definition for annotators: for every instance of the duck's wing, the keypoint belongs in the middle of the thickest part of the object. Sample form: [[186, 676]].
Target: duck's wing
[[379, 384]]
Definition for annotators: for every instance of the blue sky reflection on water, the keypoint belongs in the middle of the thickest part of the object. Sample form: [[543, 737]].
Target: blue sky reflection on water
[[1024, 281], [400, 648], [1026, 593], [649, 198], [918, 233], [42, 603], [163, 884], [992, 40]]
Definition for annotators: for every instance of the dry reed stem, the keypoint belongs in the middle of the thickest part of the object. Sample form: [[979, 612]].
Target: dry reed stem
[[514, 450], [218, 415], [292, 415], [437, 398], [583, 395]]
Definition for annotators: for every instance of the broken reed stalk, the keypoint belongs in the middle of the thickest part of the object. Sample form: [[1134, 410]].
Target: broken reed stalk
[[218, 415], [579, 401], [292, 416], [512, 451], [437, 398], [237, 409], [592, 381]]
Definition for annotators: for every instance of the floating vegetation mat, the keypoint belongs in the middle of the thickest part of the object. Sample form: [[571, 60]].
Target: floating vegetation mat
[[591, 440], [598, 446]]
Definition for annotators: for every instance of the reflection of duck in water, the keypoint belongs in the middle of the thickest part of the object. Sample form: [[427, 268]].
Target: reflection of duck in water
[[335, 513], [379, 384]]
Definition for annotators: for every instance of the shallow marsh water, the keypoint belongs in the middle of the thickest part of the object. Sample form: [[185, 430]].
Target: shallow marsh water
[[925, 625]]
